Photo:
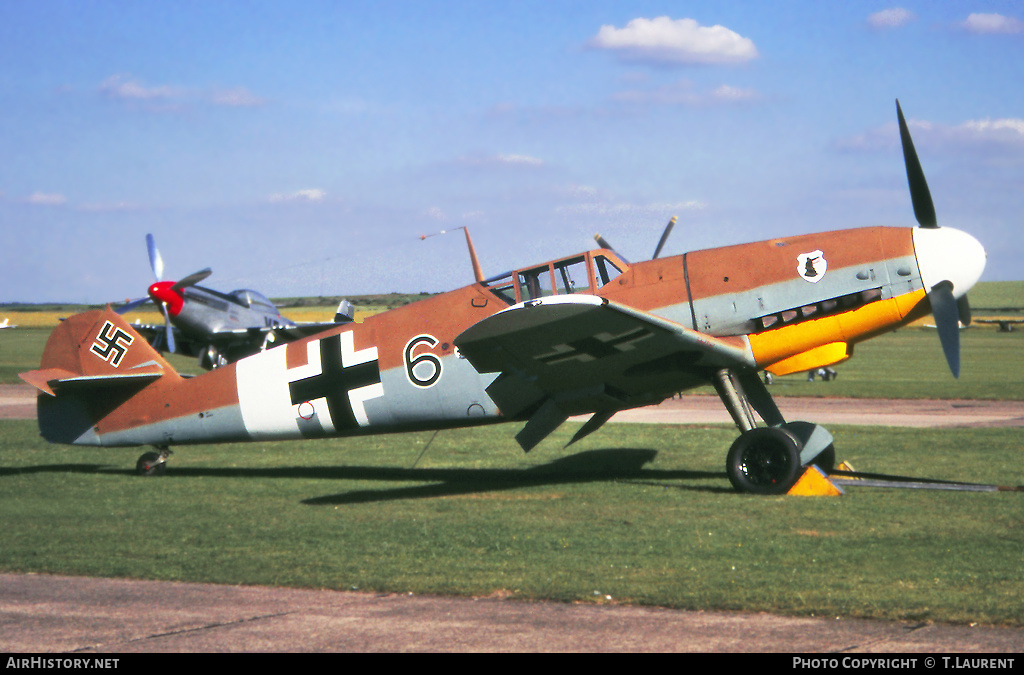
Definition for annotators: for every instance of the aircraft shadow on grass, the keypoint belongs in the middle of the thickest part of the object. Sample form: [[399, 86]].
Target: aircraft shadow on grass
[[619, 464]]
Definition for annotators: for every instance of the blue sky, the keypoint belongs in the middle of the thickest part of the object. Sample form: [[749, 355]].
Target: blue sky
[[303, 148]]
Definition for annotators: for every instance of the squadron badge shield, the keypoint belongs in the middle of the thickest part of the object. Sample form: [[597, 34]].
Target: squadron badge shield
[[811, 266]]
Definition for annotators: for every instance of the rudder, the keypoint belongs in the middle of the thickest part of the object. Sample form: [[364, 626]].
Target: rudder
[[92, 363]]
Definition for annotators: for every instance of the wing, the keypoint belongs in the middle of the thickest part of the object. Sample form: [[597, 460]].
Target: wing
[[156, 336], [574, 354]]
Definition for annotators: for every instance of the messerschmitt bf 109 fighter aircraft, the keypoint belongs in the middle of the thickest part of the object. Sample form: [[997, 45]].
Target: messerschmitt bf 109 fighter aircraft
[[216, 327], [588, 334]]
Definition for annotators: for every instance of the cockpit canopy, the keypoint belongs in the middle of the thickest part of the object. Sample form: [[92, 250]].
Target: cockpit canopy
[[252, 299], [583, 273]]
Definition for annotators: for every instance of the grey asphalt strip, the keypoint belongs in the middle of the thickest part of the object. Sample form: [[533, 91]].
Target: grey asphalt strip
[[42, 613]]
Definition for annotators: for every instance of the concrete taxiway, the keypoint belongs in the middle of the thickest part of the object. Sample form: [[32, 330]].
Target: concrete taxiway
[[41, 613]]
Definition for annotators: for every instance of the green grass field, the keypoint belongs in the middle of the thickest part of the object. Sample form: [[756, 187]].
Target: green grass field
[[633, 514]]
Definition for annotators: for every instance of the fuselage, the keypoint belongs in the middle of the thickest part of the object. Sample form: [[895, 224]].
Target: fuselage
[[794, 303], [198, 311]]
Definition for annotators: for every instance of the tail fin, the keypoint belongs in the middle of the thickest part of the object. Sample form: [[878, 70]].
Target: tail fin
[[92, 363]]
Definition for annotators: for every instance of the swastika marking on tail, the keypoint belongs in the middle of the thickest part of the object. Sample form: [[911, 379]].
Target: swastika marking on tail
[[111, 344]]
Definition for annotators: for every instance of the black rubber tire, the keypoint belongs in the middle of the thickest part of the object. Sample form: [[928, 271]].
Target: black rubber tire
[[150, 464], [764, 461]]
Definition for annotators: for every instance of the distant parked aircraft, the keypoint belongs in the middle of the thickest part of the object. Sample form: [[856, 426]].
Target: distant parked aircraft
[[219, 328]]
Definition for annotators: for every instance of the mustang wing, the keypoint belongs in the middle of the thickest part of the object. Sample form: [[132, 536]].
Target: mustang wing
[[573, 354], [156, 336], [264, 337], [252, 339]]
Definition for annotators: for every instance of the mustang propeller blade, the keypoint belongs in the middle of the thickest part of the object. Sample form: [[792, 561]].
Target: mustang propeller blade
[[192, 279], [168, 329], [156, 262], [129, 306]]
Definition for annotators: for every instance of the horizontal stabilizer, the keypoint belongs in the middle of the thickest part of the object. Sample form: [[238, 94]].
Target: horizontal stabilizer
[[96, 350], [52, 380]]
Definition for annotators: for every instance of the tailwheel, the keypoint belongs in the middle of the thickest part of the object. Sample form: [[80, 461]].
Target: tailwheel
[[152, 463], [764, 460]]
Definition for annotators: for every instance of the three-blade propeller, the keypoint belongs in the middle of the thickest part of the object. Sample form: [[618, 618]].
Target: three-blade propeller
[[156, 262], [949, 312]]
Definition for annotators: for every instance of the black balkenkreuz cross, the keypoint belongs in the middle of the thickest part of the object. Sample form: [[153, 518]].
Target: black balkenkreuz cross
[[594, 347], [334, 383]]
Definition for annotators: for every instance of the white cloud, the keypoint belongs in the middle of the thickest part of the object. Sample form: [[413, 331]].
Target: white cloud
[[104, 207], [578, 191], [988, 24], [993, 137], [1004, 137], [436, 213], [309, 195], [509, 160], [627, 208], [684, 41], [519, 159], [682, 93], [894, 17], [1007, 127], [730, 93], [122, 87], [47, 199], [236, 97]]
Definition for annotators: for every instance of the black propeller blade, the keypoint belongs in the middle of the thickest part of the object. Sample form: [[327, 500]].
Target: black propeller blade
[[947, 318], [664, 237], [604, 244], [964, 309], [924, 209], [947, 310]]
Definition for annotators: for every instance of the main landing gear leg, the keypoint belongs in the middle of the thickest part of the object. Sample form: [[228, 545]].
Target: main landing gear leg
[[153, 463], [767, 460]]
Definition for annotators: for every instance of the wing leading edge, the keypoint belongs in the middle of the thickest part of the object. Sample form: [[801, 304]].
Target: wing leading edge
[[575, 354]]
